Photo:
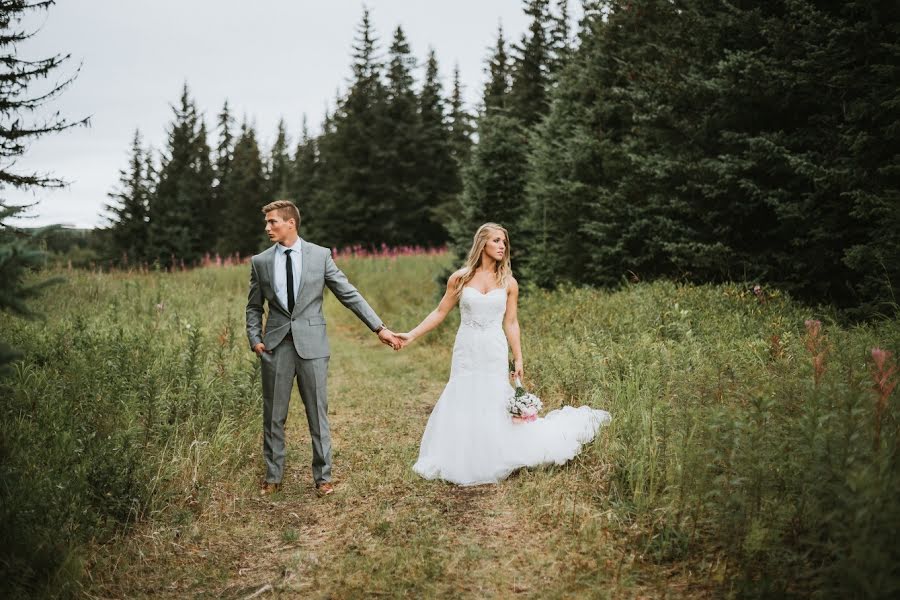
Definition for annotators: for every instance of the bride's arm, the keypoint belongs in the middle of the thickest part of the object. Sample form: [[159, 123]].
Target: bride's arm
[[511, 327], [437, 316]]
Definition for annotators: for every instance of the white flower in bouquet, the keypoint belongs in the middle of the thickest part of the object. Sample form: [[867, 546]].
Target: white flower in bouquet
[[523, 405]]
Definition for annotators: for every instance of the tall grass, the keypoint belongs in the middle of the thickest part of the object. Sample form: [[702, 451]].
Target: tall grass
[[133, 395], [748, 449]]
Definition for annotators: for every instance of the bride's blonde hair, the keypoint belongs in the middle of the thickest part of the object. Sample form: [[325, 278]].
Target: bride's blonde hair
[[503, 268]]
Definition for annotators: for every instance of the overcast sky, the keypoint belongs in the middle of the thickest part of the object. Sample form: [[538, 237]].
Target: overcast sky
[[269, 58]]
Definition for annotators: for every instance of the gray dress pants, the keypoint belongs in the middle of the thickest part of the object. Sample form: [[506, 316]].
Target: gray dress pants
[[279, 368]]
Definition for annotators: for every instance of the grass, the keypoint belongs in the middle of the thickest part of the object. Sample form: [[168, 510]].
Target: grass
[[732, 466]]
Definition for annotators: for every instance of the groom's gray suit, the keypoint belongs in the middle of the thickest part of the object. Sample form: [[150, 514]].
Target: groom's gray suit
[[304, 353]]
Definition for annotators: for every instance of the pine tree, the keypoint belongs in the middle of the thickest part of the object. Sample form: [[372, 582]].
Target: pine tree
[[243, 227], [438, 172], [18, 248], [531, 66], [461, 128], [405, 211], [354, 199], [181, 208], [560, 39], [304, 180], [224, 156], [496, 92], [278, 167], [493, 181], [130, 208]]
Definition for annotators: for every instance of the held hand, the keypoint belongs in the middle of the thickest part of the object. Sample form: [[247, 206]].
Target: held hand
[[259, 348], [387, 337], [405, 339]]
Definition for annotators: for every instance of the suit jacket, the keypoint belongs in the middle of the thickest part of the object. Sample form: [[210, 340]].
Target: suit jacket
[[307, 322]]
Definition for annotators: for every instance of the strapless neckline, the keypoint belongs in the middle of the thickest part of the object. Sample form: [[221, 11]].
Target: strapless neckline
[[480, 293]]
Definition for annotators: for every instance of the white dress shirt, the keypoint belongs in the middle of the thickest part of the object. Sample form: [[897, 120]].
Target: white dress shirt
[[280, 280]]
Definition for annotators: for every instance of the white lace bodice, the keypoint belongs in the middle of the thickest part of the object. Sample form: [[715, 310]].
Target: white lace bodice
[[480, 341], [482, 311]]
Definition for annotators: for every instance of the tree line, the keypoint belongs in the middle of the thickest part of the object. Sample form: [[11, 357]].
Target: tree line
[[692, 139]]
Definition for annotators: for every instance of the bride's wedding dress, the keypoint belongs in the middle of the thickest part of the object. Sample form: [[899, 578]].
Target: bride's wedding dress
[[470, 438]]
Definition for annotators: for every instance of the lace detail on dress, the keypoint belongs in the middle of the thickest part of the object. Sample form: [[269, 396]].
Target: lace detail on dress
[[470, 437]]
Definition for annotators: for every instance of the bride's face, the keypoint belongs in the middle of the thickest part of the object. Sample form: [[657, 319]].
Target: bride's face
[[495, 247]]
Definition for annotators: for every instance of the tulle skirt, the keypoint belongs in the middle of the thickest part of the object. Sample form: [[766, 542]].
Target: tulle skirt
[[471, 439]]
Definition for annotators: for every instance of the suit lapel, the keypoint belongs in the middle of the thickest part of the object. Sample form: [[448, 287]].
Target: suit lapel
[[270, 266], [305, 252]]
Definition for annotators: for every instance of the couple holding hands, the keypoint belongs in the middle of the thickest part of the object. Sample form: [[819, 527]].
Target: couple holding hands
[[470, 437]]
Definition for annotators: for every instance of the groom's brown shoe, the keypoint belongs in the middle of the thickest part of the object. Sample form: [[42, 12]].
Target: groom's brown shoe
[[267, 489], [325, 488]]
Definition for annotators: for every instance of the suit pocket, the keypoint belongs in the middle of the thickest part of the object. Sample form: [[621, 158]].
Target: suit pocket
[[317, 320]]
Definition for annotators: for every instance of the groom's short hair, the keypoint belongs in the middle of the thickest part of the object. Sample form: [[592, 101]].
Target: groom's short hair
[[286, 210]]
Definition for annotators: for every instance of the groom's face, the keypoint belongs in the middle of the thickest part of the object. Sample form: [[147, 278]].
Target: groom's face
[[278, 229]]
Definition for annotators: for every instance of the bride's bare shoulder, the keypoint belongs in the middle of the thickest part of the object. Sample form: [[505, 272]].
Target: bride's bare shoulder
[[456, 276]]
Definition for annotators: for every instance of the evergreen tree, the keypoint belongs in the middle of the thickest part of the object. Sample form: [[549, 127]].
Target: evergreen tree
[[461, 128], [493, 181], [278, 171], [224, 156], [130, 211], [243, 227], [531, 67], [354, 201], [304, 180], [406, 215], [181, 209], [18, 248], [560, 39], [496, 92], [438, 172]]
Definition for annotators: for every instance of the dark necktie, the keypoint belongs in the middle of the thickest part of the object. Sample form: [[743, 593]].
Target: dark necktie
[[290, 279]]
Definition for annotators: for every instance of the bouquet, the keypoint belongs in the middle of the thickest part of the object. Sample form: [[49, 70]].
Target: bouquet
[[522, 405]]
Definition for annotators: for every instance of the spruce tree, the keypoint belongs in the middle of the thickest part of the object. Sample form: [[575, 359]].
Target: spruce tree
[[243, 225], [493, 181], [406, 214], [19, 251], [224, 156], [353, 206], [496, 92], [278, 166], [181, 208], [130, 218], [531, 66], [304, 181], [460, 128], [438, 172]]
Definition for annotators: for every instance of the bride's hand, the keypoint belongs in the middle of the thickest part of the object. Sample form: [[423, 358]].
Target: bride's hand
[[519, 371], [406, 339]]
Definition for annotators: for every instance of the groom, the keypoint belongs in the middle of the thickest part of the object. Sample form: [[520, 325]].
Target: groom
[[291, 276]]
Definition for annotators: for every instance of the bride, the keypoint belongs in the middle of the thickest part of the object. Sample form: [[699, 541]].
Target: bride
[[470, 437]]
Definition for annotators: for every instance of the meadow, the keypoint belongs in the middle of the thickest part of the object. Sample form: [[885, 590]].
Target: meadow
[[753, 450]]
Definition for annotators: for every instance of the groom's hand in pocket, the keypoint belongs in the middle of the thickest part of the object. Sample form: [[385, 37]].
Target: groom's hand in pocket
[[259, 348]]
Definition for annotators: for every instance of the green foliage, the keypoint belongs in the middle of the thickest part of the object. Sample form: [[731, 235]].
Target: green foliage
[[278, 167], [733, 464], [19, 253], [493, 181], [245, 187], [725, 453], [181, 207], [127, 401], [128, 232], [531, 67], [716, 142]]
